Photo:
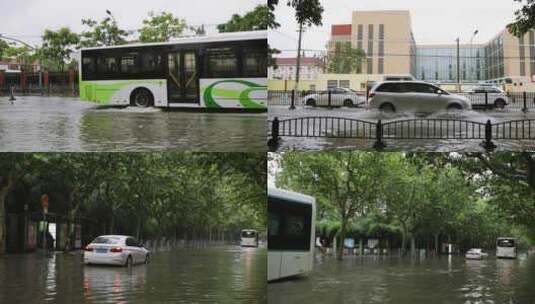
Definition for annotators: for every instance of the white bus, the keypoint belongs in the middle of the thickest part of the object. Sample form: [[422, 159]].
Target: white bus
[[505, 247], [249, 238], [291, 230], [227, 70]]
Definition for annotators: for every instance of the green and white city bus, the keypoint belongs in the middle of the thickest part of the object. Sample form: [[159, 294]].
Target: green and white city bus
[[227, 70]]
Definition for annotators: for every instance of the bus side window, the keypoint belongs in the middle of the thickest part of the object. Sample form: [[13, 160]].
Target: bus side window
[[221, 62], [151, 62], [254, 63], [88, 68], [129, 63]]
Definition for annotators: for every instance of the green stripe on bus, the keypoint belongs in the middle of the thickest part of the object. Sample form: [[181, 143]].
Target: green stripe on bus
[[243, 96]]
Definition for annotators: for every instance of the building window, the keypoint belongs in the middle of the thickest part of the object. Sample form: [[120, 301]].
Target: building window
[[370, 48], [344, 83], [381, 31], [381, 48], [331, 84], [359, 45], [380, 66], [359, 32], [370, 31], [522, 68], [369, 64]]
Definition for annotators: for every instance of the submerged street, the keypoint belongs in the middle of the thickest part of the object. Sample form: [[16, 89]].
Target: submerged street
[[384, 279], [67, 124], [210, 275]]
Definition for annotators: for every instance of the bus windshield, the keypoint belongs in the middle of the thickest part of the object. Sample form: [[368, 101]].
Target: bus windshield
[[506, 243], [248, 234]]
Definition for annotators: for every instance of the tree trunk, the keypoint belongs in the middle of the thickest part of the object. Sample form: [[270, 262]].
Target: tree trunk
[[413, 246], [437, 247], [3, 194], [340, 251]]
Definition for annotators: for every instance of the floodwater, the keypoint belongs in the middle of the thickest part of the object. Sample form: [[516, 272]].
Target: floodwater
[[407, 281], [67, 124], [211, 275], [434, 145]]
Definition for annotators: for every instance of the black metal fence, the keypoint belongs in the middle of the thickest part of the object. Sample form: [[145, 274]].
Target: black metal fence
[[407, 129], [514, 100], [40, 83]]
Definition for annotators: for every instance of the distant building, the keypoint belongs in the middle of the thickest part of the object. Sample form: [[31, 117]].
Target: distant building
[[310, 68], [386, 38], [13, 66]]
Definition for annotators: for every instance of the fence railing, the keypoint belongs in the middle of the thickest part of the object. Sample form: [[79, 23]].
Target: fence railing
[[406, 129], [514, 100], [40, 83]]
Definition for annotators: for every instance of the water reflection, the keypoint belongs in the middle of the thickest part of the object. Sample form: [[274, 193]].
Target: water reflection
[[66, 124], [405, 281], [207, 275]]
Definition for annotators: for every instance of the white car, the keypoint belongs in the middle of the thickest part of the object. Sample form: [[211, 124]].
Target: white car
[[475, 254], [339, 97], [495, 96], [120, 250], [414, 96]]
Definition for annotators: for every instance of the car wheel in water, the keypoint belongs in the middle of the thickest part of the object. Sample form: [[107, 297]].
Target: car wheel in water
[[499, 104], [348, 103], [129, 261], [142, 98], [387, 108], [311, 102]]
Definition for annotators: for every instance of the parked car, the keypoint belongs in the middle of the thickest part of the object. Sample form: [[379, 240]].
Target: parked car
[[475, 254], [415, 96], [495, 96], [120, 250], [339, 97]]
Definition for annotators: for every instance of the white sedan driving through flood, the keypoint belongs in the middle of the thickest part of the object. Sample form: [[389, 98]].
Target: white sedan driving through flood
[[339, 97], [414, 96], [119, 250]]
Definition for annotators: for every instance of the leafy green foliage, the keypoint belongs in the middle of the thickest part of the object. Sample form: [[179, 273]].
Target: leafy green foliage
[[161, 27], [103, 33], [261, 18], [149, 195], [345, 59], [3, 48], [524, 18], [58, 46], [468, 199]]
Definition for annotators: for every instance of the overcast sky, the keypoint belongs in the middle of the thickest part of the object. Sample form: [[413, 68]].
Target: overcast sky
[[433, 21], [27, 19]]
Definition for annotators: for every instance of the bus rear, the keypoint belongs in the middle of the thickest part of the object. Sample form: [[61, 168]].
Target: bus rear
[[505, 248], [291, 233], [249, 238]]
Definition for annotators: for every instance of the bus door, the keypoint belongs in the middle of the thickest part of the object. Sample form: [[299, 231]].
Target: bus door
[[183, 77]]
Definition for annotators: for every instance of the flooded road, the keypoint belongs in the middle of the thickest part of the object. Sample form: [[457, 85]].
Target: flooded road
[[435, 145], [210, 275], [67, 124], [408, 281]]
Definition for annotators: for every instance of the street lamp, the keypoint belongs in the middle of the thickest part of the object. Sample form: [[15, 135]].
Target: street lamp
[[471, 45]]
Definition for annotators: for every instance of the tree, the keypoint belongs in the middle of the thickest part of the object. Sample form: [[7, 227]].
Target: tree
[[261, 18], [58, 46], [524, 19], [3, 48], [344, 182], [345, 59], [161, 27], [103, 33]]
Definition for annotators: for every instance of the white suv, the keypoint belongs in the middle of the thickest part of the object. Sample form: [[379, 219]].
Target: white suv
[[494, 95], [339, 97], [414, 96]]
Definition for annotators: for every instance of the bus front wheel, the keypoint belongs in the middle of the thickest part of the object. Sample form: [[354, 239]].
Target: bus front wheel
[[141, 98]]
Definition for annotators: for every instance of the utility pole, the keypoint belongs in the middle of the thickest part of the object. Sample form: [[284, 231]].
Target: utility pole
[[298, 65], [458, 67]]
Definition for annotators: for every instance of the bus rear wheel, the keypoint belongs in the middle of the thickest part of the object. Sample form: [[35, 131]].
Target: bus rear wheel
[[141, 98]]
